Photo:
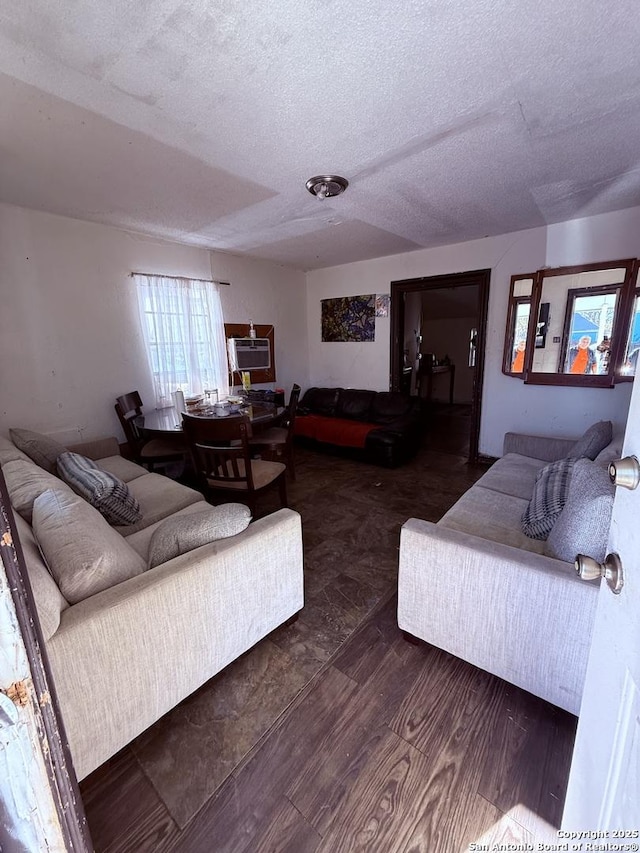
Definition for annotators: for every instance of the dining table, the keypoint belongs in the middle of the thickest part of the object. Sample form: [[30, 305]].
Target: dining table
[[168, 420]]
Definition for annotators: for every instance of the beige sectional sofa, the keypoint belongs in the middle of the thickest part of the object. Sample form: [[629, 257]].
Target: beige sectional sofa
[[476, 586], [125, 655]]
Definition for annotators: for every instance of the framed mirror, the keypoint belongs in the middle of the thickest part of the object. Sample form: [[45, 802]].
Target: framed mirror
[[582, 325]]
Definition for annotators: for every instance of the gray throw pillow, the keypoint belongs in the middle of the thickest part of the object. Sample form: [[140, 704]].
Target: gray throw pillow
[[104, 491], [40, 448], [583, 525], [84, 554], [592, 441], [182, 534], [550, 492]]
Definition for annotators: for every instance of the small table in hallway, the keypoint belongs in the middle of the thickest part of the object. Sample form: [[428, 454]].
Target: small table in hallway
[[425, 379]]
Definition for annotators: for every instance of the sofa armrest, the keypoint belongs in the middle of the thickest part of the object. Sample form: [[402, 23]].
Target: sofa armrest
[[537, 446], [98, 448], [123, 658], [524, 617]]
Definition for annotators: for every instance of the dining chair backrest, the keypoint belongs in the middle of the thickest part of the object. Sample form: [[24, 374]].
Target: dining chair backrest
[[291, 411], [219, 449], [128, 407]]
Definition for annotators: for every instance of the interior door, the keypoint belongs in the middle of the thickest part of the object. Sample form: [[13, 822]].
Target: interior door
[[604, 783]]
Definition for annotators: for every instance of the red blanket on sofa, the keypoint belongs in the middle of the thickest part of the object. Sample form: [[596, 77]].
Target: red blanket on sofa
[[339, 431]]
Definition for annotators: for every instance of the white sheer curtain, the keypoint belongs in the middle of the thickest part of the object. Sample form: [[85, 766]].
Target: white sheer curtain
[[184, 335]]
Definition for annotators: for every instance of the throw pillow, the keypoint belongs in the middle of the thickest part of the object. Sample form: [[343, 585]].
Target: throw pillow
[[83, 553], [40, 448], [102, 490], [583, 525], [592, 441], [548, 499], [25, 481], [176, 536]]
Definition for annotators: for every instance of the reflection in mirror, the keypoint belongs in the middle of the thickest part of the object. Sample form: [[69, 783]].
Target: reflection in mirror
[[580, 313], [521, 323], [522, 287], [588, 345], [629, 365]]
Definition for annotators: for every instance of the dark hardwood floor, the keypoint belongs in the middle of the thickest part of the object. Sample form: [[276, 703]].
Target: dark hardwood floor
[[388, 746]]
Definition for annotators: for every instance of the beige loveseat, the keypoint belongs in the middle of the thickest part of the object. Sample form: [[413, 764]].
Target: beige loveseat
[[476, 586], [123, 657]]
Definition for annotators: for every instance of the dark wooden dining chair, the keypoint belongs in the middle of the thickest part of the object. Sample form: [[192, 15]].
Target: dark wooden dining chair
[[222, 460], [277, 441], [146, 451]]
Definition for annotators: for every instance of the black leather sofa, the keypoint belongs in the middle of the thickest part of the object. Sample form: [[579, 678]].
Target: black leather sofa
[[384, 427]]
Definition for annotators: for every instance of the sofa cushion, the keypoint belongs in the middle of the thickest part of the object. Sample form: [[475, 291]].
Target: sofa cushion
[[354, 404], [108, 494], [180, 534], [42, 449], [592, 441], [25, 482], [159, 497], [491, 515], [320, 401], [389, 406], [548, 499], [513, 474], [583, 525], [123, 469], [339, 431], [84, 554]]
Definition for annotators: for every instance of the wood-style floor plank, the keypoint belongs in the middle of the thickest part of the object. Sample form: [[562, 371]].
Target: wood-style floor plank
[[556, 771], [285, 832], [327, 777], [136, 819], [455, 767], [486, 825], [384, 800], [426, 716], [525, 762], [247, 799]]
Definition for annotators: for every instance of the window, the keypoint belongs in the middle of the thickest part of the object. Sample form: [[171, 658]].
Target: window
[[184, 335]]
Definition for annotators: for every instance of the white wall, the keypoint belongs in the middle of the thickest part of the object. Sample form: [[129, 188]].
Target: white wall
[[508, 404], [70, 340]]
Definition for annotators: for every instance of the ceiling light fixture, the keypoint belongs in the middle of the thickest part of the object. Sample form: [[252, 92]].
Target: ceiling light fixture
[[326, 186]]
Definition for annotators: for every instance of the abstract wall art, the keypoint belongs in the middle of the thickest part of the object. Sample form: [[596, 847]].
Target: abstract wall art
[[349, 318]]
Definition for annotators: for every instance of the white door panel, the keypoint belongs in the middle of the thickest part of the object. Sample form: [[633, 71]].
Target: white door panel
[[604, 784]]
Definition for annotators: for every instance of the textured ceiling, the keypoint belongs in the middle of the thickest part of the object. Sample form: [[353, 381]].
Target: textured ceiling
[[201, 121]]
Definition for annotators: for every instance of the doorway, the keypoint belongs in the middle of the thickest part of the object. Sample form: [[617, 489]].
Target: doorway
[[438, 334]]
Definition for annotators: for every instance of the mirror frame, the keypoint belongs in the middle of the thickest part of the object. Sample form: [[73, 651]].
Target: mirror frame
[[510, 331], [622, 320], [635, 296]]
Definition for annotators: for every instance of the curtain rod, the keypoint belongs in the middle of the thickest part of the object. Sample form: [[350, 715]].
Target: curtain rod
[[181, 278]]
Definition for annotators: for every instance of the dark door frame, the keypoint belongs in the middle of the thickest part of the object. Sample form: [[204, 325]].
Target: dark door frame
[[52, 739], [481, 278]]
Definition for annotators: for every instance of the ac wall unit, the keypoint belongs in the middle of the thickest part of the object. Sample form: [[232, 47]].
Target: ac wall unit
[[250, 353]]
